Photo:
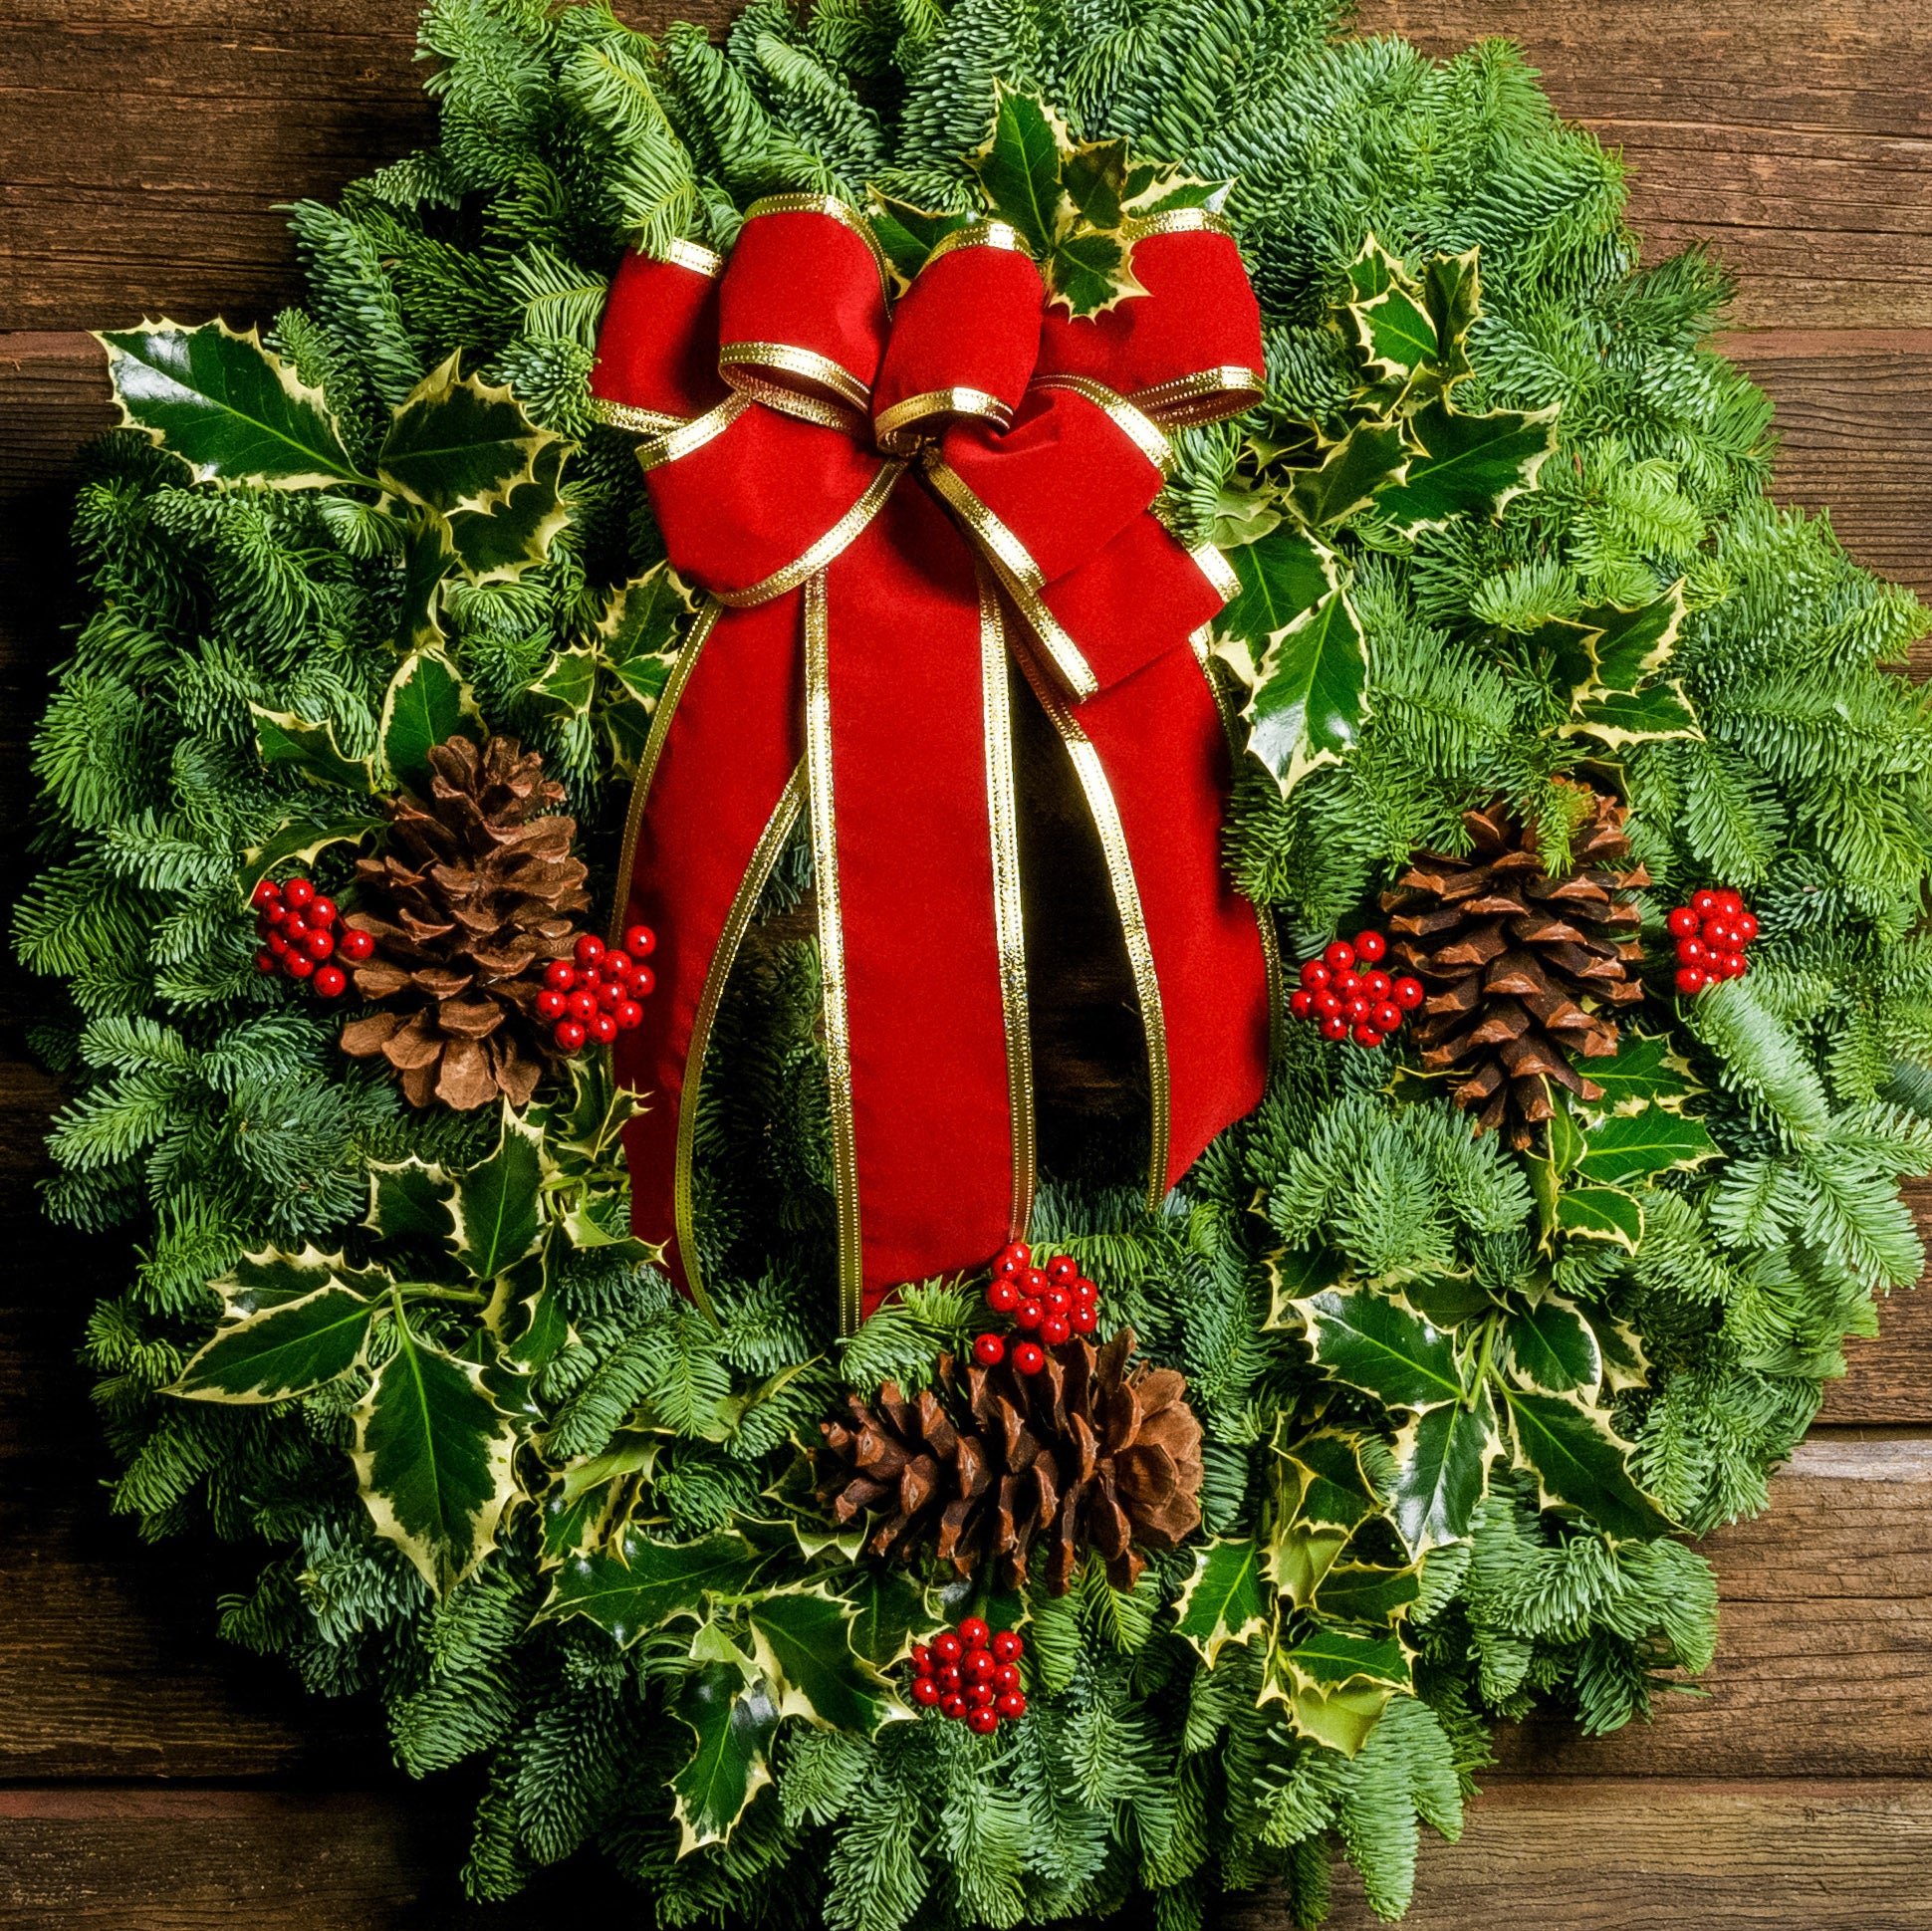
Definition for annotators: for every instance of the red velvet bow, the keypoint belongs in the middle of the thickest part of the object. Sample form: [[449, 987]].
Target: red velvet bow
[[792, 412]]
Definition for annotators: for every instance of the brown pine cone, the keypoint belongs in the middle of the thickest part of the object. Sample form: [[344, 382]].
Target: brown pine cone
[[1086, 1452], [473, 895], [1519, 966]]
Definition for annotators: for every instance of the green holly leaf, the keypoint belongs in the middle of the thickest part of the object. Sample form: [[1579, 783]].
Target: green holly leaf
[[272, 1279], [427, 703], [1601, 1214], [286, 1350], [1089, 272], [645, 1584], [907, 233], [1224, 1600], [1331, 1492], [311, 749], [1581, 1463], [889, 1615], [1019, 165], [569, 681], [582, 1128], [1617, 718], [641, 631], [1633, 645], [1552, 1349], [1284, 575], [734, 1725], [803, 1640], [230, 410], [1452, 291], [456, 444], [1467, 465], [1369, 460], [1366, 1592], [433, 1455], [425, 566], [1375, 1343], [299, 844], [1645, 1070], [495, 1206], [1310, 694], [1443, 1459], [409, 1201], [1391, 331], [497, 546], [1633, 1146], [1448, 1299], [1293, 1276], [1332, 1659]]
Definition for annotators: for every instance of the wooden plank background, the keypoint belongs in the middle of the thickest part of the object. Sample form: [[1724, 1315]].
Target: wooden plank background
[[154, 1778]]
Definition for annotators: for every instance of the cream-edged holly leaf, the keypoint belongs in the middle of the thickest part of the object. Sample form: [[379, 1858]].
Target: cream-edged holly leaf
[[408, 1200], [1646, 1070], [1467, 465], [283, 737], [1448, 1299], [497, 546], [1366, 1592], [1089, 272], [1341, 1719], [1375, 1343], [1581, 1463], [907, 233], [1019, 166], [425, 569], [458, 444], [228, 409], [1160, 188], [1283, 576], [645, 1584], [299, 844], [734, 1724], [569, 681], [1625, 1365], [1330, 1658], [1310, 694], [581, 1126], [1298, 1554], [1601, 1214], [1294, 1274], [427, 703], [1617, 719], [1442, 1459], [1633, 645], [1552, 1349], [1225, 1600], [1336, 1684], [1389, 325], [889, 1615], [495, 1203], [577, 1508], [272, 1279], [801, 1637], [642, 631], [1453, 294], [539, 1330], [1371, 458], [285, 1350], [1332, 1490], [433, 1457], [1636, 1145]]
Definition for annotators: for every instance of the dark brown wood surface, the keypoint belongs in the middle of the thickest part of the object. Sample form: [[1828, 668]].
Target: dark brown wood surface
[[154, 1778]]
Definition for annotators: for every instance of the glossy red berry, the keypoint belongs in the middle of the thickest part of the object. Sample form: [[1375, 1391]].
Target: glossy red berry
[[320, 945], [1340, 956], [1746, 928], [629, 1015], [1367, 1035], [1015, 1257], [322, 911], [1731, 965], [1003, 1295], [980, 1695], [1704, 903], [1084, 1318], [1692, 980], [1370, 946], [274, 916], [1335, 1029], [1004, 1678], [1375, 986], [1729, 903], [294, 929], [1356, 1010], [644, 982], [1301, 1004], [983, 1722], [954, 1706], [603, 1029], [974, 1633], [332, 982], [277, 945], [1314, 975], [1717, 934], [1033, 1282], [1008, 1645], [569, 1035], [297, 893], [1011, 1706], [989, 1350], [1693, 952], [980, 1662], [265, 961], [921, 1659], [1054, 1331], [948, 1678], [1027, 1358], [1062, 1270], [583, 1005], [1386, 1017], [925, 1691], [1407, 994], [1029, 1315], [639, 941], [296, 963], [587, 950], [947, 1647], [266, 893], [1328, 1005], [1084, 1292], [560, 975], [1683, 923], [355, 944], [607, 995]]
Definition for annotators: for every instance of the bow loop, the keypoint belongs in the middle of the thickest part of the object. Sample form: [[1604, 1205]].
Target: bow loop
[[657, 351]]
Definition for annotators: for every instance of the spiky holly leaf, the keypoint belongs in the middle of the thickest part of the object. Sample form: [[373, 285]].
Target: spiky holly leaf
[[1618, 719], [1443, 1459], [1284, 575], [299, 844], [1452, 291], [1375, 1343], [285, 1350], [733, 1723], [1332, 1490], [1466, 465], [1581, 1463], [408, 1200], [227, 407], [495, 1206], [433, 1457], [1448, 1299], [577, 1508], [1625, 1365], [497, 546], [1294, 1274], [1336, 1684], [458, 444], [1645, 1070], [803, 1640], [641, 629], [907, 233], [645, 1584], [310, 749], [1387, 324], [1224, 1600], [1366, 1592], [1633, 645], [1311, 693], [272, 1279], [1351, 474], [1552, 1349], [425, 569], [889, 1615], [1633, 1146], [1601, 1214], [581, 1127], [427, 703]]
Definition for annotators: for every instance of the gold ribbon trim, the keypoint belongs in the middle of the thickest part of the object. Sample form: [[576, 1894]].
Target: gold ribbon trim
[[814, 561], [1138, 429], [628, 415], [840, 211], [699, 260], [743, 365], [978, 234], [1205, 397], [1177, 221], [890, 426], [1218, 570], [689, 437]]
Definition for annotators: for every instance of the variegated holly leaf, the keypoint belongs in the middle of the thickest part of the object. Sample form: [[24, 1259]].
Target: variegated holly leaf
[[801, 1637], [733, 1723], [889, 1615], [1366, 1592], [1552, 1349], [1466, 465], [1225, 1600], [1601, 1214], [425, 570], [1453, 294], [228, 409], [1376, 1344], [1645, 1070], [458, 444], [495, 1203], [1330, 1489], [497, 546], [645, 1584], [310, 749], [284, 1349], [1351, 474], [299, 844], [1632, 645], [1618, 719], [433, 1457], [427, 703], [1294, 1274], [1443, 1458], [582, 1124], [272, 1279], [1448, 1299], [408, 1200], [577, 1506], [1388, 324], [1336, 1684], [909, 233], [1311, 691], [1284, 575], [1633, 1146], [1582, 1463]]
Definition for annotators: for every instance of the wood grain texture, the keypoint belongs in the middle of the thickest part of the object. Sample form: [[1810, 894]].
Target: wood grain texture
[[1796, 139]]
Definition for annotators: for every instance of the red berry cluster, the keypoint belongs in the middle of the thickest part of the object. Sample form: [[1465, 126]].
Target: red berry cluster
[[301, 938], [1348, 995], [970, 1674], [1712, 932], [592, 997], [1051, 1302]]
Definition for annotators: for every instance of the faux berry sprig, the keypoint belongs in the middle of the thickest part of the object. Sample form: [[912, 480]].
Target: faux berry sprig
[[971, 1674], [301, 938], [1712, 932], [1348, 995], [1050, 1303], [593, 996]]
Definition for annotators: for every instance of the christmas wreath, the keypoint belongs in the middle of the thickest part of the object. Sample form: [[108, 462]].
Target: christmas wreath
[[820, 563]]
